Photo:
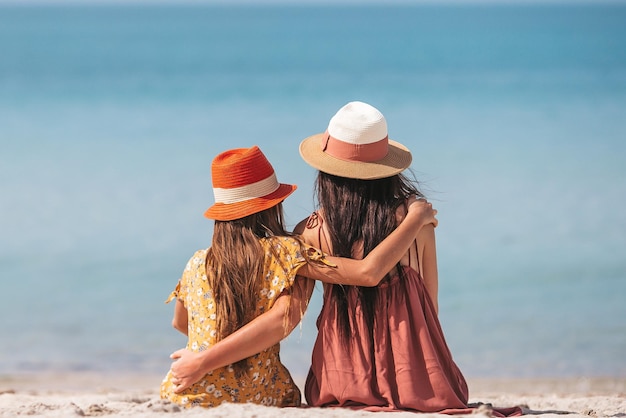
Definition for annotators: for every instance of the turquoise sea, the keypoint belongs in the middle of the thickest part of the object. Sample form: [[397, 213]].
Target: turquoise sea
[[110, 116]]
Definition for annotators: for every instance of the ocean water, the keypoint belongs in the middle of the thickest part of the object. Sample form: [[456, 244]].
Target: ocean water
[[110, 117]]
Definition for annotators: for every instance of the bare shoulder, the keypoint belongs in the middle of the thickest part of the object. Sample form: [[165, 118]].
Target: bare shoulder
[[309, 229], [300, 227], [426, 234], [306, 230]]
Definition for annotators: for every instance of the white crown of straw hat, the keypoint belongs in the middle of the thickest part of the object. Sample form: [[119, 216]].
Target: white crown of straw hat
[[356, 145]]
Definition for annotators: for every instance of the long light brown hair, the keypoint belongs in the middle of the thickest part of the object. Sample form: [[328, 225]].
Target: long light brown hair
[[360, 211], [234, 266]]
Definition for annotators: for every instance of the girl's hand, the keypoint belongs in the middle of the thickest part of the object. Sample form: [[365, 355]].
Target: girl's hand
[[186, 369], [422, 209]]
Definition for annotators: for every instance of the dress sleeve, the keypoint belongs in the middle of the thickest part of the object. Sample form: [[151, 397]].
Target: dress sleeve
[[174, 293], [315, 255], [181, 288], [293, 254]]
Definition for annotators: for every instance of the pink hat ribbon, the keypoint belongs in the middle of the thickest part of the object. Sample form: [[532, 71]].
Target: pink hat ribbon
[[355, 152]]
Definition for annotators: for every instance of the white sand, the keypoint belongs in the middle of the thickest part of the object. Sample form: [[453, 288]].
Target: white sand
[[69, 395]]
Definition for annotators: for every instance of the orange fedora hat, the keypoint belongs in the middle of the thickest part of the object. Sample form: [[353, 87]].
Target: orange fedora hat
[[244, 182]]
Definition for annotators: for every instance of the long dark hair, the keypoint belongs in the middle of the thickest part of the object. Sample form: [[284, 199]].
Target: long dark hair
[[360, 214], [234, 268]]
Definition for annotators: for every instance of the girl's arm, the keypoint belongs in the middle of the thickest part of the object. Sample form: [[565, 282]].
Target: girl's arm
[[259, 334], [180, 317], [371, 270]]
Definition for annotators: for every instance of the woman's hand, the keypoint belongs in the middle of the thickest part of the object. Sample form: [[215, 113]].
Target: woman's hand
[[423, 209], [186, 369]]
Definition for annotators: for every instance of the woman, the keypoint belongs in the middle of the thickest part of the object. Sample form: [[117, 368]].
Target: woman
[[251, 267], [378, 348]]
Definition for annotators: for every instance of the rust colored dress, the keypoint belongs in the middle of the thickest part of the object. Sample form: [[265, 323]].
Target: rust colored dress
[[406, 366]]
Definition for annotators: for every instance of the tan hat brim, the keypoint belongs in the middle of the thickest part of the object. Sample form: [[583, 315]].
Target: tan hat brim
[[397, 160], [232, 211]]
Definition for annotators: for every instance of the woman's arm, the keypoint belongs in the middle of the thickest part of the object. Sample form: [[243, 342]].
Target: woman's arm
[[428, 262], [371, 270], [259, 334]]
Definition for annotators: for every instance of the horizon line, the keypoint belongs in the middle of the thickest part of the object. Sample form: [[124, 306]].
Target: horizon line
[[308, 2]]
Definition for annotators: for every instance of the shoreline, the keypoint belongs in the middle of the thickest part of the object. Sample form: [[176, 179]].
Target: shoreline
[[93, 381], [60, 394]]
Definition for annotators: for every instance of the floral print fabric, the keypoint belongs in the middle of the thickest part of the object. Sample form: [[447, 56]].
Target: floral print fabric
[[267, 381]]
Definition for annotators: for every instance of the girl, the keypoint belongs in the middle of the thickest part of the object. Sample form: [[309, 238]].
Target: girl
[[251, 268]]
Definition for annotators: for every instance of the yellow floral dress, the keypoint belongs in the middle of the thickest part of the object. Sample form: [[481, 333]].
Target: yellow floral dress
[[268, 381]]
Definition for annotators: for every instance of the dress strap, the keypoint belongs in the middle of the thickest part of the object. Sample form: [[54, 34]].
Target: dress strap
[[417, 255], [315, 221]]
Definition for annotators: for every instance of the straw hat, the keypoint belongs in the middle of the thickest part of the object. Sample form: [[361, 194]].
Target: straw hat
[[244, 183], [356, 145]]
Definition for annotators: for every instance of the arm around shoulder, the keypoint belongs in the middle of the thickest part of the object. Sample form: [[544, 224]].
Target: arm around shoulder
[[259, 334], [371, 270]]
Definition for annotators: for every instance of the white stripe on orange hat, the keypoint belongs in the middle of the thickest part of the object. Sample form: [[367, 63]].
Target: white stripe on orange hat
[[247, 192]]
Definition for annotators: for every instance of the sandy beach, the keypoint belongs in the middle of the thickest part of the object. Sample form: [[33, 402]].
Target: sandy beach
[[88, 394]]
